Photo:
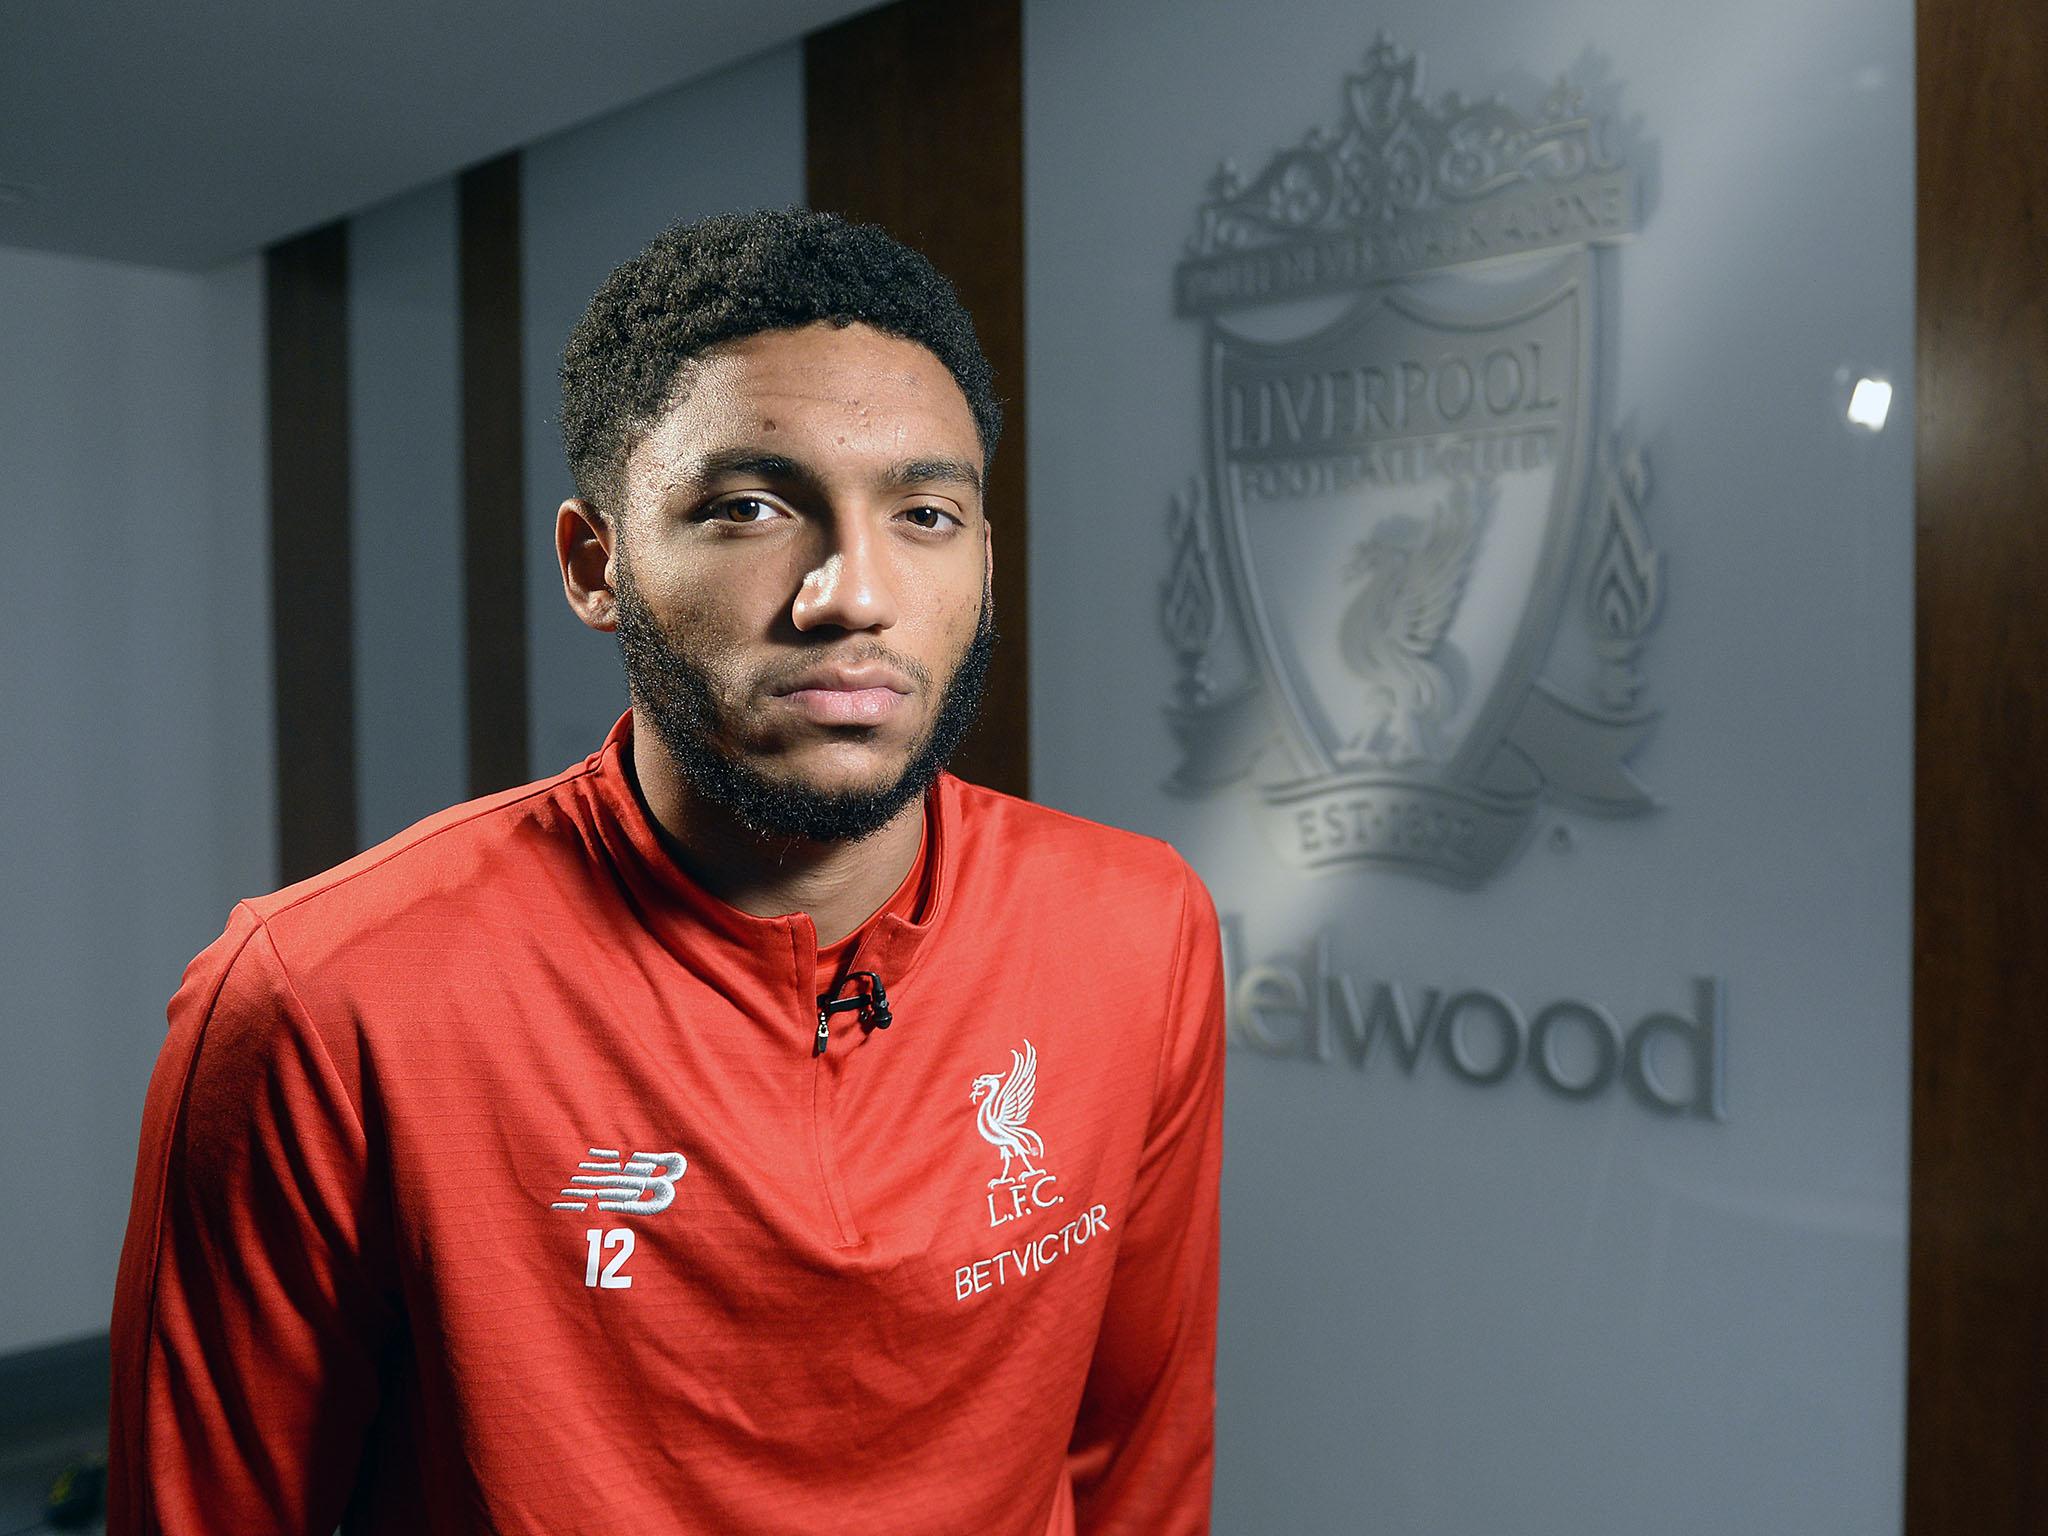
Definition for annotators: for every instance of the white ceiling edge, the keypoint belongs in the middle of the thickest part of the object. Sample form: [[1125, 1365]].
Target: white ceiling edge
[[187, 135]]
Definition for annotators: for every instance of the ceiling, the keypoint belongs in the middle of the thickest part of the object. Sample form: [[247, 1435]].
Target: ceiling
[[183, 134]]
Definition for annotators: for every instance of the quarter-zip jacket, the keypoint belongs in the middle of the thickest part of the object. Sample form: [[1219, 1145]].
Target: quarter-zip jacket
[[491, 1182]]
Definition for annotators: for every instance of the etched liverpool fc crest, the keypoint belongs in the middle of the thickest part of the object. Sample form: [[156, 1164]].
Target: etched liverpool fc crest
[[1406, 483], [1005, 1106]]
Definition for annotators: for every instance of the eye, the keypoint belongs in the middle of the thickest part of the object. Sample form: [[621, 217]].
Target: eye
[[740, 509], [929, 517]]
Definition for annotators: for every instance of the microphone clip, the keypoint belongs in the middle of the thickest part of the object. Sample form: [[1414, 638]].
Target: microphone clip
[[871, 1000]]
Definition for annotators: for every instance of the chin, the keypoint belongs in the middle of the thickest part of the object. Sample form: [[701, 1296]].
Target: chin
[[829, 784], [841, 767], [821, 806]]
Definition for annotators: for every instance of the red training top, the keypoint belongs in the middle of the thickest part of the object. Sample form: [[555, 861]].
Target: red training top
[[490, 1182]]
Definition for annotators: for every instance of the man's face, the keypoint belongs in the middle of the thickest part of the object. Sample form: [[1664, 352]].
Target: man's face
[[802, 578]]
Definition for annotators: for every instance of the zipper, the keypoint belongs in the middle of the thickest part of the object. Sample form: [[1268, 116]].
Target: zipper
[[822, 1072]]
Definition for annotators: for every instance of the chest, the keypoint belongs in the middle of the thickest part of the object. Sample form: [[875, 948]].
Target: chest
[[667, 1155]]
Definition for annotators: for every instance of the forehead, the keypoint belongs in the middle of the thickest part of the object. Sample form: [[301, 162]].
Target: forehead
[[822, 392]]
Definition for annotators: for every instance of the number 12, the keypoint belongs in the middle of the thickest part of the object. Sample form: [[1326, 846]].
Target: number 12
[[620, 1238]]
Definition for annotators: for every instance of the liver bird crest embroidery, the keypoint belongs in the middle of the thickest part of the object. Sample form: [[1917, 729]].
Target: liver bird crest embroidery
[[1005, 1106]]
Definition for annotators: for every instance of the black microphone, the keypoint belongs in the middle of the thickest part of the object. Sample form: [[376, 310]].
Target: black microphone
[[872, 1002]]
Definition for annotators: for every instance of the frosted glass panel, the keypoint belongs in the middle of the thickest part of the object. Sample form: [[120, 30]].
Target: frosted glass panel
[[1471, 518]]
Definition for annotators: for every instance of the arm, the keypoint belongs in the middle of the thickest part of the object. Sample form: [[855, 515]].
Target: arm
[[247, 1327], [1144, 1443]]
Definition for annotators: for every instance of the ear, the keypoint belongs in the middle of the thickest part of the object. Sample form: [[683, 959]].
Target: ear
[[586, 545]]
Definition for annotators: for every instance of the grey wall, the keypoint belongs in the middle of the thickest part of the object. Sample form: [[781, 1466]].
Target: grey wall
[[1451, 1308], [137, 707], [589, 199], [138, 690], [405, 516]]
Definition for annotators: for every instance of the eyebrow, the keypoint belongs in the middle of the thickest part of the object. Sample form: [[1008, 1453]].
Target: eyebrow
[[749, 461], [779, 468], [915, 472]]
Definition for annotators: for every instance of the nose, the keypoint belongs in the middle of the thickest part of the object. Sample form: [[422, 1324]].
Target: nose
[[853, 588]]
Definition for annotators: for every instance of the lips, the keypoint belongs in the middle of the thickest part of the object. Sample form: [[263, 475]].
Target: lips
[[863, 693]]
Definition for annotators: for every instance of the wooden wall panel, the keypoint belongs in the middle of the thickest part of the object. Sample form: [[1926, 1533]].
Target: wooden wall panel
[[306, 365], [914, 120], [493, 477], [1977, 1376]]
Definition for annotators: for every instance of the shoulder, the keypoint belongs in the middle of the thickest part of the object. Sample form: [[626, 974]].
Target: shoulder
[[1044, 866], [434, 877], [1031, 841], [296, 976]]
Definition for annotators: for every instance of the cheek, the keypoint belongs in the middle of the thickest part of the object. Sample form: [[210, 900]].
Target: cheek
[[946, 629], [698, 629], [702, 616], [744, 601], [705, 636], [950, 594]]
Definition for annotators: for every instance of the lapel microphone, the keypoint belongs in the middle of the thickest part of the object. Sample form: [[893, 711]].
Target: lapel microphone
[[871, 1000]]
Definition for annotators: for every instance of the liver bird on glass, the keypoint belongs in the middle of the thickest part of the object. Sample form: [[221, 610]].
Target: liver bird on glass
[[1414, 574], [1005, 1106]]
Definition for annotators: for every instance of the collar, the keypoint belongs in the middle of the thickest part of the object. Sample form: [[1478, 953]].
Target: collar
[[714, 938]]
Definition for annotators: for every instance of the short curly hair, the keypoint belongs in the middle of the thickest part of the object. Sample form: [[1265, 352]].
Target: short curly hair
[[735, 275]]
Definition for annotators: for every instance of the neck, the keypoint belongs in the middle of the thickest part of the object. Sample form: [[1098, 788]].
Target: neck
[[837, 885]]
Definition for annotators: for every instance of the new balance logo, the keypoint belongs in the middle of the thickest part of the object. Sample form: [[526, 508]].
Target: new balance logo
[[641, 1185]]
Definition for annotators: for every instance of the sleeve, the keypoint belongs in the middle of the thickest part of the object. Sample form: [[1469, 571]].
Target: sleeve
[[1143, 1448], [247, 1327]]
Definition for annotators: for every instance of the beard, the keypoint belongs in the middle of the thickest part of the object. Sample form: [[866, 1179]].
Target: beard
[[679, 696]]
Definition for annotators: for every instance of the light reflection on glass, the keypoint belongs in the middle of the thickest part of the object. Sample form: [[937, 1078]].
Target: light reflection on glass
[[1870, 404]]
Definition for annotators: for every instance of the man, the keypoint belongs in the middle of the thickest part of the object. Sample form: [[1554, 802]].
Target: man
[[750, 1128]]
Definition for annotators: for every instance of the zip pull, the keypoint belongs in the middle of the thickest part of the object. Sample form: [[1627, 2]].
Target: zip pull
[[824, 1035]]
